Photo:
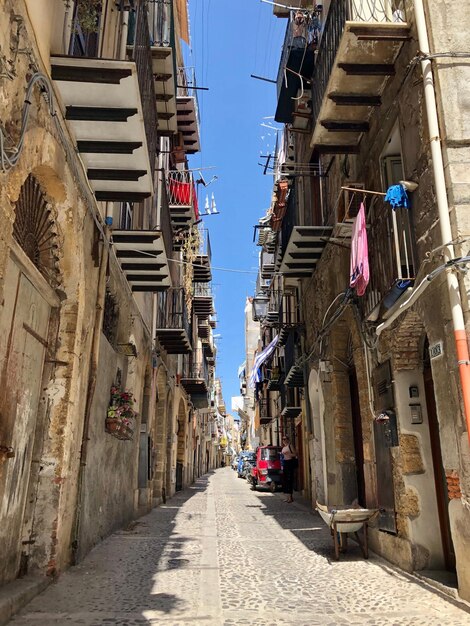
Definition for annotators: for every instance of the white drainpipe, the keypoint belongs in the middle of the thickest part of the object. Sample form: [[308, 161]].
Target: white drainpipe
[[443, 210], [124, 29]]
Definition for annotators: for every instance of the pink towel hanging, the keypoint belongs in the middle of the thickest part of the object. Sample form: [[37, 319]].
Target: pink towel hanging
[[359, 268]]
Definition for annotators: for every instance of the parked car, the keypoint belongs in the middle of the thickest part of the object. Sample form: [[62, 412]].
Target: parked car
[[234, 463], [249, 462], [267, 471], [241, 458]]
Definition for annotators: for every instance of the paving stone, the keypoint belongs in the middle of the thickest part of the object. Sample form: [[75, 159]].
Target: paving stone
[[222, 555]]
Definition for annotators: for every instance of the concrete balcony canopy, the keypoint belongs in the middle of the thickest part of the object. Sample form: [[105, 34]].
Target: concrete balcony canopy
[[143, 259], [103, 107], [188, 109], [357, 53], [304, 249]]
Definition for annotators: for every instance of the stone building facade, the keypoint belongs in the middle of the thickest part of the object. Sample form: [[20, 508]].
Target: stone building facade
[[381, 402], [79, 304]]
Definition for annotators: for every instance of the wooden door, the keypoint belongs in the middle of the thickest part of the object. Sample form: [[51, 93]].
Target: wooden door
[[357, 435], [24, 334], [439, 473]]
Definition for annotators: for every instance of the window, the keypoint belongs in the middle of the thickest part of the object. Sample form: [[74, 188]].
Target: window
[[401, 220], [125, 218]]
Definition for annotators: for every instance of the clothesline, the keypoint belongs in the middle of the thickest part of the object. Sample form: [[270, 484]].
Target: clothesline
[[373, 193]]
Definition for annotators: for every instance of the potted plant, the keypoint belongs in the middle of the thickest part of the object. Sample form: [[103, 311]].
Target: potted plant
[[120, 414]]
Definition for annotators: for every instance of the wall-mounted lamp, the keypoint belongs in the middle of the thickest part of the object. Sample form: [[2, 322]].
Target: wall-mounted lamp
[[409, 185]]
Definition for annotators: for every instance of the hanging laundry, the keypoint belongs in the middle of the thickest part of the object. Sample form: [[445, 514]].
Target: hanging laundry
[[359, 267], [396, 196]]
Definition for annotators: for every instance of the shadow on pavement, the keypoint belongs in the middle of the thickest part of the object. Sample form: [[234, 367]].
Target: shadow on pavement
[[306, 525], [119, 576]]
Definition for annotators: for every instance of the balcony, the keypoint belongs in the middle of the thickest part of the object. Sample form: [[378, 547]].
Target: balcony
[[300, 247], [291, 405], [143, 258], [209, 349], [161, 24], [203, 302], [182, 198], [264, 411], [203, 329], [172, 322], [195, 376], [292, 353], [110, 108], [297, 59], [392, 259], [274, 305], [202, 263], [275, 376], [267, 265], [289, 311], [345, 210], [188, 110], [280, 201], [358, 49]]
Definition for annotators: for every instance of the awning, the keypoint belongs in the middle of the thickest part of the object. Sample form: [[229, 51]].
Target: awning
[[183, 20], [260, 359]]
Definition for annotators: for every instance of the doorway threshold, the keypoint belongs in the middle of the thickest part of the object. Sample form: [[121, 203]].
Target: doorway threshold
[[446, 582]]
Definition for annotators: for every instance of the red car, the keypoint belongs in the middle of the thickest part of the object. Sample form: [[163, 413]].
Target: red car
[[268, 470]]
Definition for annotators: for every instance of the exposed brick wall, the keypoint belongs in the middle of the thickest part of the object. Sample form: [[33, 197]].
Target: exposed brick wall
[[453, 485], [403, 342]]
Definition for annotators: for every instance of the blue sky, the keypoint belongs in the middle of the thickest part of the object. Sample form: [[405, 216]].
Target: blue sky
[[230, 41]]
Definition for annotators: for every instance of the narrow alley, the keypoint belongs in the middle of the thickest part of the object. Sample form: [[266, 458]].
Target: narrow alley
[[220, 554]]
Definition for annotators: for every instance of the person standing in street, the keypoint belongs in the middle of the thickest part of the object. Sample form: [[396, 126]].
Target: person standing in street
[[289, 466]]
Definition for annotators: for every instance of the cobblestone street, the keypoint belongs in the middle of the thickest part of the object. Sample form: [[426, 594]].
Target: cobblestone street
[[220, 554]]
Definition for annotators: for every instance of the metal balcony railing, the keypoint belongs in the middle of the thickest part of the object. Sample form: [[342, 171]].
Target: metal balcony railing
[[302, 32], [202, 290], [164, 222], [264, 409], [274, 305], [186, 86], [181, 189], [171, 310], [195, 366], [267, 264], [160, 23], [392, 258], [289, 221], [205, 243], [289, 310], [340, 12]]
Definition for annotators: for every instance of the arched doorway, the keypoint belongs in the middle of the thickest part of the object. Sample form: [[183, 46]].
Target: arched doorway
[[318, 449], [438, 467], [28, 344], [181, 446], [159, 456]]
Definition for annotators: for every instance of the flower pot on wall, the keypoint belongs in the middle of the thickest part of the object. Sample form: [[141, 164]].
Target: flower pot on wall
[[112, 425]]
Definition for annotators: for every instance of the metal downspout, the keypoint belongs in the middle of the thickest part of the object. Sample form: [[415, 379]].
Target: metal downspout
[[443, 211]]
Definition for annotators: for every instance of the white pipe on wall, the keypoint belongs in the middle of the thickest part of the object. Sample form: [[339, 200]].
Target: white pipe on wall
[[443, 210], [124, 30]]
